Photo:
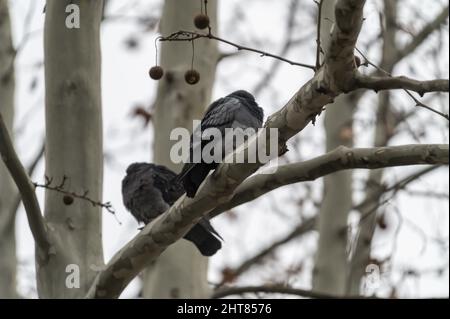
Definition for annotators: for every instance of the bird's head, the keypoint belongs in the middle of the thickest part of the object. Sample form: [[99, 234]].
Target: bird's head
[[136, 167], [243, 95]]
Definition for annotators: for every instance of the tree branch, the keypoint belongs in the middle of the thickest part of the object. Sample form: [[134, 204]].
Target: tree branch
[[30, 172], [60, 188], [339, 159], [366, 208], [418, 103], [193, 35], [276, 289], [391, 83], [26, 189], [410, 48], [319, 26]]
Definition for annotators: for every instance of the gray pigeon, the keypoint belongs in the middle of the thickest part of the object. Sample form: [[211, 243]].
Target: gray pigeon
[[237, 110], [148, 190]]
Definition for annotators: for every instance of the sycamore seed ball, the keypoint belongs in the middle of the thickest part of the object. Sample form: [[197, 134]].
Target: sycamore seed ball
[[201, 21], [68, 200], [192, 77], [156, 72]]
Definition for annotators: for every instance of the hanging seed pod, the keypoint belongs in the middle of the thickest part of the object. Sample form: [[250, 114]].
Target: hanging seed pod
[[156, 72], [382, 223], [68, 200], [357, 61], [192, 77], [201, 21]]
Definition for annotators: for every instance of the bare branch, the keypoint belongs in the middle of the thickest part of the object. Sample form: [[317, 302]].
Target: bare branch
[[83, 196], [391, 83], [394, 189], [418, 40], [26, 188], [339, 159], [418, 103], [319, 26], [276, 289], [193, 35], [429, 194], [30, 171]]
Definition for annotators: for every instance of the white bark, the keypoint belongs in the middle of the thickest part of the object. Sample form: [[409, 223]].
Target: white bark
[[180, 272], [330, 269], [73, 149], [384, 128], [8, 191]]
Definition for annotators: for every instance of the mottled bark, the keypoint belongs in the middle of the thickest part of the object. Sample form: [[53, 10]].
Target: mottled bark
[[330, 269], [180, 272], [384, 129], [8, 191], [73, 149], [339, 159]]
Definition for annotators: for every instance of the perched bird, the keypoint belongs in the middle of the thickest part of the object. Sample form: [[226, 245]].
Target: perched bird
[[148, 190], [237, 110]]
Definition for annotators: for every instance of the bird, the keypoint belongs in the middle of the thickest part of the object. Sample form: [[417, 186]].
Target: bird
[[148, 190], [236, 110]]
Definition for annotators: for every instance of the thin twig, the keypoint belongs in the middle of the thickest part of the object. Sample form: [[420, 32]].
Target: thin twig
[[192, 36], [418, 103], [84, 196], [394, 189], [30, 172], [319, 25], [277, 289]]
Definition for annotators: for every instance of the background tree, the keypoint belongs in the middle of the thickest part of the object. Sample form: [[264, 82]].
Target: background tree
[[330, 269], [8, 262], [73, 155], [181, 272]]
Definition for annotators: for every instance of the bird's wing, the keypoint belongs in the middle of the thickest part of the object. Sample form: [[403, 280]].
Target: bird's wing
[[129, 185], [165, 181], [141, 197], [245, 118], [221, 115]]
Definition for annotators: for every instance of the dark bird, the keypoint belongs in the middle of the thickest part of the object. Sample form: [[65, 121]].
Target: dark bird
[[148, 190], [237, 110]]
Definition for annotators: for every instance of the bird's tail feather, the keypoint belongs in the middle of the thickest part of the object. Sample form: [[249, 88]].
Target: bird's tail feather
[[186, 169], [203, 236]]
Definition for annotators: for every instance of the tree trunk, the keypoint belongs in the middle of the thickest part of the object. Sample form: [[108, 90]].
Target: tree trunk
[[330, 272], [180, 272], [73, 149], [8, 191], [385, 124]]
